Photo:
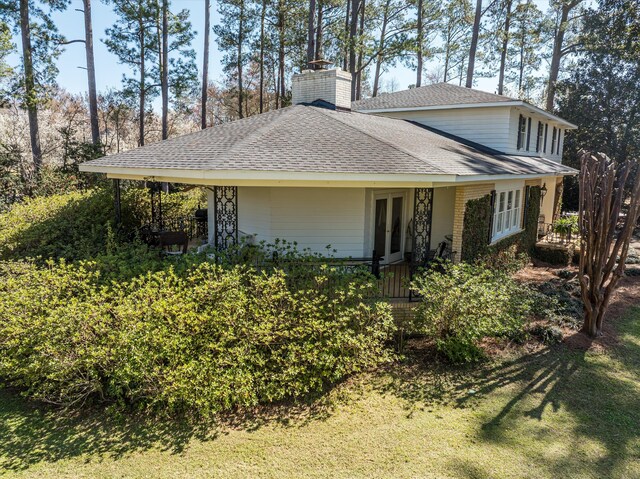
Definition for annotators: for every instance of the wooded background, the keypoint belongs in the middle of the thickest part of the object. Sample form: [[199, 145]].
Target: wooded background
[[577, 58]]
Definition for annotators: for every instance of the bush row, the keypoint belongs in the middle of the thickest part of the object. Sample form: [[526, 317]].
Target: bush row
[[204, 340]]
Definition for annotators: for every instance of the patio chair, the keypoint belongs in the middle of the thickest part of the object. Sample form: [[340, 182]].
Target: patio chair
[[168, 239]]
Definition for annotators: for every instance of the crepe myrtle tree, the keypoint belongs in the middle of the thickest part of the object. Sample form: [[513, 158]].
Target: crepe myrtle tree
[[607, 189]]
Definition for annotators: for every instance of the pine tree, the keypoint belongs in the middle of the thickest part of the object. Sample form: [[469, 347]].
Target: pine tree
[[455, 32], [41, 46], [524, 58], [235, 35]]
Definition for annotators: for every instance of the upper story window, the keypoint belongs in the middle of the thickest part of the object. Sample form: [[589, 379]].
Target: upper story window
[[539, 137], [559, 140], [553, 140], [507, 213], [522, 132]]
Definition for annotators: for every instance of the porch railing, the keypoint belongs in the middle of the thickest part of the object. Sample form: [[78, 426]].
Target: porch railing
[[552, 233], [392, 279], [193, 226]]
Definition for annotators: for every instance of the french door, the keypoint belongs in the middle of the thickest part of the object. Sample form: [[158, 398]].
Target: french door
[[388, 235]]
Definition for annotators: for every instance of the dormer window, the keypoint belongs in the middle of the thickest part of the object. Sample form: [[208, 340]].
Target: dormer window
[[539, 138], [559, 139], [522, 132]]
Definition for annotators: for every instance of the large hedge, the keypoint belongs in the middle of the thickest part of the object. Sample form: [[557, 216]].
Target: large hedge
[[465, 303], [477, 226], [76, 225], [209, 339]]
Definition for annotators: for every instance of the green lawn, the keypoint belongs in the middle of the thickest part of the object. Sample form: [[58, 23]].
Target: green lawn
[[555, 413]]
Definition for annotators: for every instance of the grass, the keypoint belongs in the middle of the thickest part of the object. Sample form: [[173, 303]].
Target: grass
[[554, 413]]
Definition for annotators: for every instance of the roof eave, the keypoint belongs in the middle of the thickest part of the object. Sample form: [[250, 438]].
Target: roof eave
[[493, 104], [292, 178]]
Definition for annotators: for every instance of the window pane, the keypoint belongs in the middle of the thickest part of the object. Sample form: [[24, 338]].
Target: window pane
[[517, 198], [501, 208], [510, 201], [507, 224]]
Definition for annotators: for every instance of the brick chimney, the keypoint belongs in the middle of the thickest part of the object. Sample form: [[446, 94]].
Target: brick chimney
[[332, 86]]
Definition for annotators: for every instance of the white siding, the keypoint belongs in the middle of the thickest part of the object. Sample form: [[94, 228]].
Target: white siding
[[312, 217], [494, 127], [444, 201], [254, 212], [512, 148], [487, 126]]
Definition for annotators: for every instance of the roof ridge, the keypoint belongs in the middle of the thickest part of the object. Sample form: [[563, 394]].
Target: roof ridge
[[380, 140]]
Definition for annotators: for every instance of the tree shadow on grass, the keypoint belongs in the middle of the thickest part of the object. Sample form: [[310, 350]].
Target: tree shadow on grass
[[31, 433], [600, 391]]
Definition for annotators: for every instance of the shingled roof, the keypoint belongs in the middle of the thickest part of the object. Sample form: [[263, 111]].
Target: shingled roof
[[438, 94], [310, 138]]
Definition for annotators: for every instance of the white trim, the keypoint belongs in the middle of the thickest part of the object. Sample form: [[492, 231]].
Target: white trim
[[508, 215], [497, 239], [519, 103], [287, 178]]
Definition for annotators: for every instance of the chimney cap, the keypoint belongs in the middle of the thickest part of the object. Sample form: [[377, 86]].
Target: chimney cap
[[320, 64]]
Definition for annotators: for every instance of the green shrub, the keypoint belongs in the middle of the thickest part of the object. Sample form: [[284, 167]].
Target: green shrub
[[202, 340], [466, 303], [547, 333], [76, 225], [566, 225]]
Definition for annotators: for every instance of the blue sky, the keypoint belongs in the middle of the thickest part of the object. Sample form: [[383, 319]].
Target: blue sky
[[109, 72]]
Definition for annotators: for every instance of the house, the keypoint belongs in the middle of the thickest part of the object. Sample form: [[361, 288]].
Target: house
[[391, 174]]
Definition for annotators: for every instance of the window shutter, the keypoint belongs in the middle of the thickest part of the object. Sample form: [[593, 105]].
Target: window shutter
[[520, 119], [527, 194], [492, 213], [546, 130], [528, 133]]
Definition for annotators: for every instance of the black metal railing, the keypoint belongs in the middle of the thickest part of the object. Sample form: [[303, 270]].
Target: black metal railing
[[560, 233], [194, 227]]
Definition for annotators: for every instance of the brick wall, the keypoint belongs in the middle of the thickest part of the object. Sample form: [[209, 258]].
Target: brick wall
[[333, 86], [464, 194]]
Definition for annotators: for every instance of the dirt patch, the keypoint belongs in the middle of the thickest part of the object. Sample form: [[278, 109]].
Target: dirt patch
[[626, 295], [538, 272]]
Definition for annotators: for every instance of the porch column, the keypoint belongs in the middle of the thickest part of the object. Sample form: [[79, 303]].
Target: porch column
[[422, 216], [224, 215], [116, 202]]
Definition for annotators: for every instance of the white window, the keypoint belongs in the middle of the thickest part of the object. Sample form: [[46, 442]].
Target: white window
[[522, 132], [507, 213]]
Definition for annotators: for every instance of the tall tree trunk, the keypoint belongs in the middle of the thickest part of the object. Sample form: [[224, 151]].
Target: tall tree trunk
[[164, 81], [281, 53], [142, 99], [381, 41], [447, 55], [353, 30], [311, 49], [240, 59], [360, 51], [91, 75], [319, 31], [521, 64], [505, 45], [345, 61], [30, 88], [261, 61], [556, 56], [420, 42], [474, 44], [205, 64]]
